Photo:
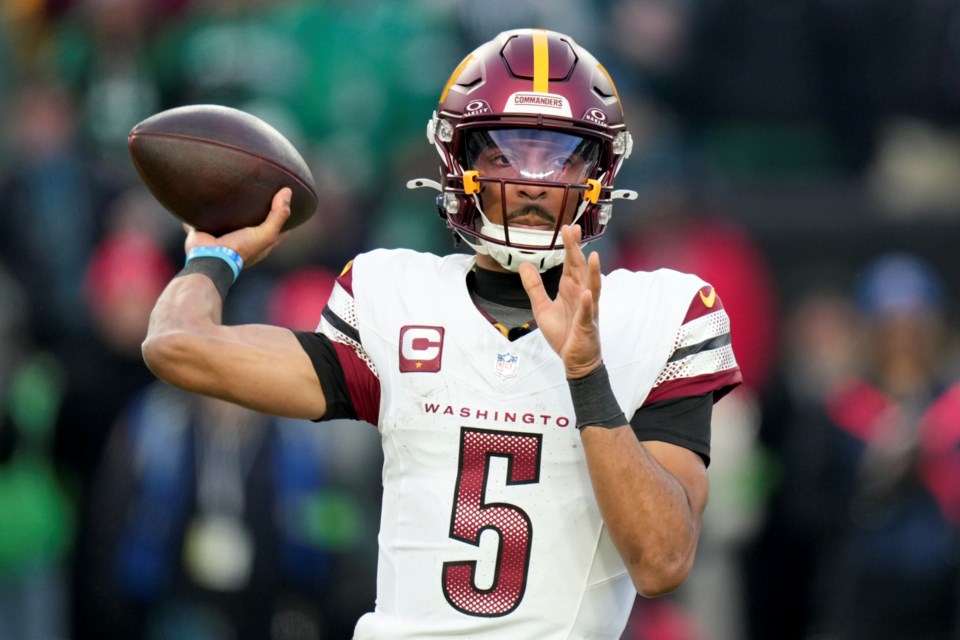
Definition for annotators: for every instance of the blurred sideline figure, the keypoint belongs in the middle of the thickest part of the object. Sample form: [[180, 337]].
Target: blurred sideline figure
[[209, 521], [36, 515], [673, 227], [898, 430], [861, 537]]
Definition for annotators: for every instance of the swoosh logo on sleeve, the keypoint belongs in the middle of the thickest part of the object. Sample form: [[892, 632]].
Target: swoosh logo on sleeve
[[709, 299]]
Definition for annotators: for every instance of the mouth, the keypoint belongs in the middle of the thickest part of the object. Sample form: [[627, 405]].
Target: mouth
[[532, 218]]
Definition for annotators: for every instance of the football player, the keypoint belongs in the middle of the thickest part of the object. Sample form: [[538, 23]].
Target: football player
[[546, 429]]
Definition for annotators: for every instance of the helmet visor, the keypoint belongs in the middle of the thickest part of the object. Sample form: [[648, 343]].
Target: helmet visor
[[530, 154]]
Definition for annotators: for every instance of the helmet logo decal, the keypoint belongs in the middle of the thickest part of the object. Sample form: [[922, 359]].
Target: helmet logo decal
[[595, 116], [477, 107], [546, 103]]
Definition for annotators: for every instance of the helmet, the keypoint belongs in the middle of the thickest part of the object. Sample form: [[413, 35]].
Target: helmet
[[530, 109]]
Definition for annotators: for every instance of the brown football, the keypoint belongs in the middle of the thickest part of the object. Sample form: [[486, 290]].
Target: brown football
[[218, 168]]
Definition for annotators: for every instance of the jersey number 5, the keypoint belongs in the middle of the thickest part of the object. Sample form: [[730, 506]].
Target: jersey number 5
[[472, 515]]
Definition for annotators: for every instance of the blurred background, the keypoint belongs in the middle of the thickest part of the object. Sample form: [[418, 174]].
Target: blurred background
[[803, 156]]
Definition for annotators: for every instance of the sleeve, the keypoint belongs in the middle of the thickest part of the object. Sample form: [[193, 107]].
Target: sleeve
[[702, 360], [330, 373], [684, 422], [341, 326]]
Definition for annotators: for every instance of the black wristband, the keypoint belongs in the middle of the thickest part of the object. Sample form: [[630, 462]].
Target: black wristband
[[214, 268], [593, 401]]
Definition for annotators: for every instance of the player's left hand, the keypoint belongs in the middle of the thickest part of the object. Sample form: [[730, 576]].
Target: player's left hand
[[570, 323]]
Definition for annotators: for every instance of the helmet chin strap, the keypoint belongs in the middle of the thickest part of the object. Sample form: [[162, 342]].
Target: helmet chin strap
[[510, 257]]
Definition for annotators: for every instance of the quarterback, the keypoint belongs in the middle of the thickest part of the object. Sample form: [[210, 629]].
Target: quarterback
[[545, 428]]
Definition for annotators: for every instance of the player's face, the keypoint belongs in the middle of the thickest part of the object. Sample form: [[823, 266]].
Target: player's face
[[523, 173]]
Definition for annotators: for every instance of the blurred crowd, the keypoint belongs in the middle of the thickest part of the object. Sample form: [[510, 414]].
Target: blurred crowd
[[803, 156]]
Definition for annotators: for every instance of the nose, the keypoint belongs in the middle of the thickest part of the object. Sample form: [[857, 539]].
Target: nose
[[532, 192]]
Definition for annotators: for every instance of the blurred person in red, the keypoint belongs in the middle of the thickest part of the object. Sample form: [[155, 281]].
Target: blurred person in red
[[299, 297], [897, 563], [670, 228], [861, 537], [120, 283]]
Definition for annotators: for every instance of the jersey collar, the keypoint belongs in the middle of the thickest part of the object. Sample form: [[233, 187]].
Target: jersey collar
[[507, 288]]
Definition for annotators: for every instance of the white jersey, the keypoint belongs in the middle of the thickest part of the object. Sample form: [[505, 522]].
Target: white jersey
[[489, 526]]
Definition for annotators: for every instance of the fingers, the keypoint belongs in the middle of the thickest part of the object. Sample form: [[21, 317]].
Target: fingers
[[574, 260], [593, 280], [533, 285], [585, 311]]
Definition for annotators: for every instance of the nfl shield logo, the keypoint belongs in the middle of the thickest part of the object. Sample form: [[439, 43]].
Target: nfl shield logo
[[506, 365]]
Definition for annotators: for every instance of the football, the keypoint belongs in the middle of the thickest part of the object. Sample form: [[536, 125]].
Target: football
[[217, 168]]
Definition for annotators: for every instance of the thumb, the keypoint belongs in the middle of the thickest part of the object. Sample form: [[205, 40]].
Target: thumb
[[279, 212]]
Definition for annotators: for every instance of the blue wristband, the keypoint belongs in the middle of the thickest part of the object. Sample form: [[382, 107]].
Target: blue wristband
[[226, 254]]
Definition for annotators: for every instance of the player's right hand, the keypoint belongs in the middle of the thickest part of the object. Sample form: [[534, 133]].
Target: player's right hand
[[569, 323], [252, 243]]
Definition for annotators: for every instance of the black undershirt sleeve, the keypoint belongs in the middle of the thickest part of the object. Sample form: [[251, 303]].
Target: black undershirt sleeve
[[330, 373], [684, 422]]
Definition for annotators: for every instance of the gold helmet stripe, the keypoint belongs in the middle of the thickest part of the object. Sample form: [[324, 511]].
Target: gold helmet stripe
[[541, 61], [453, 76], [615, 92]]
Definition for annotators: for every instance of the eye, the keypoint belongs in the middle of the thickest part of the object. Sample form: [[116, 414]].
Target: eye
[[500, 160], [567, 164]]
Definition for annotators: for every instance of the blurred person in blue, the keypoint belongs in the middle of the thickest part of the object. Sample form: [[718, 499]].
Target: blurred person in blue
[[213, 522], [54, 198]]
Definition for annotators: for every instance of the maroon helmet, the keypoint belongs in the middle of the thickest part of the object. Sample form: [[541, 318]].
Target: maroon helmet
[[528, 86]]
